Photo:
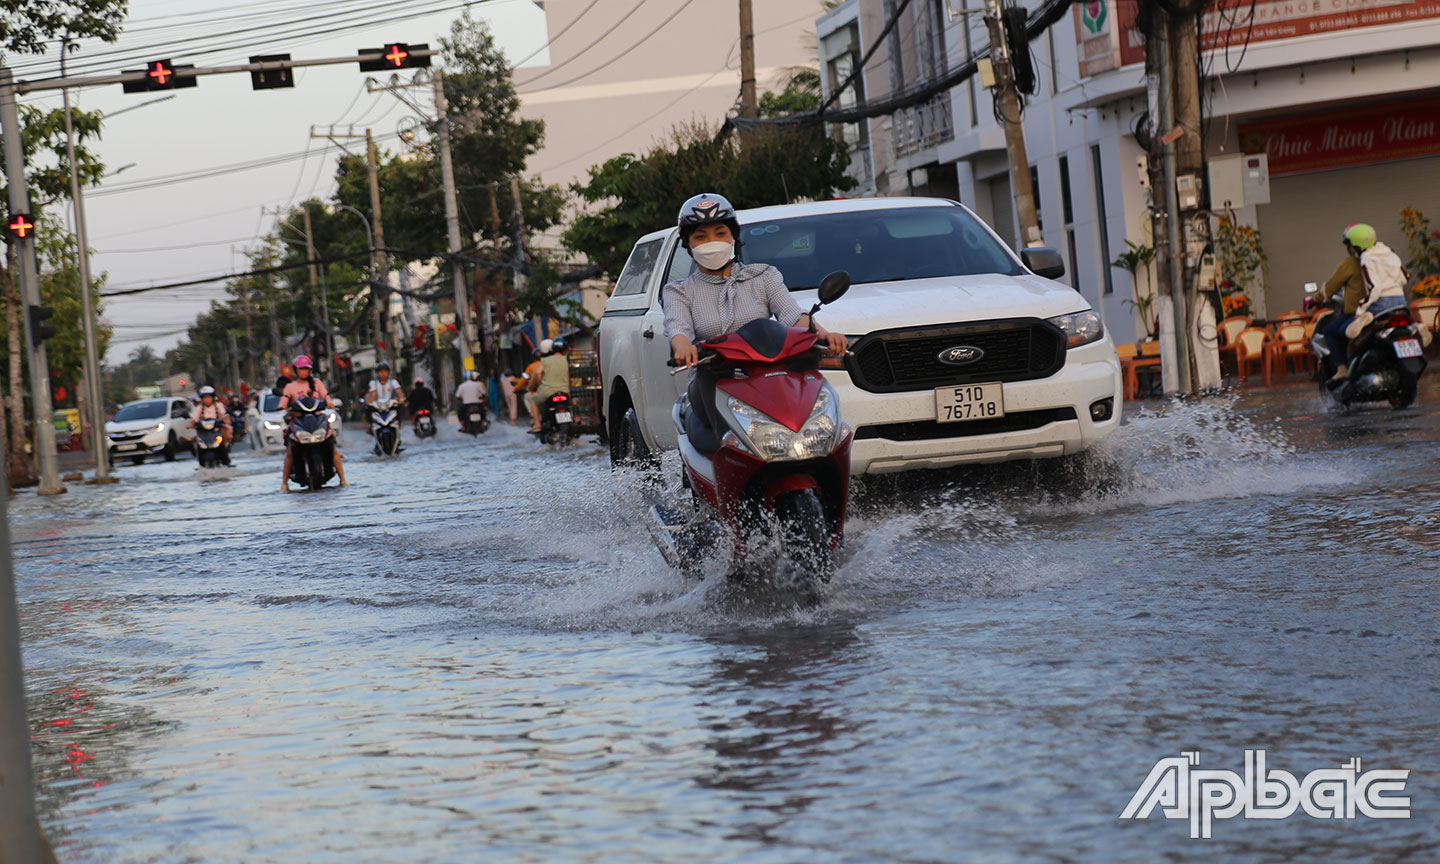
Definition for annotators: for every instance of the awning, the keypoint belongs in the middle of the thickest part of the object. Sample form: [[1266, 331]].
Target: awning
[[524, 334]]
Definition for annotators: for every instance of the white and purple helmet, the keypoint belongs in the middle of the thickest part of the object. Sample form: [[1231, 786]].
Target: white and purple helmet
[[703, 209]]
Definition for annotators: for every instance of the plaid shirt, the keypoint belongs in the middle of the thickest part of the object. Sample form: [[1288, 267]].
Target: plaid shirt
[[705, 306]]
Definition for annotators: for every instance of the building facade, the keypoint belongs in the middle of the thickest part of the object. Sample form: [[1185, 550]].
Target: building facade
[[1341, 96]]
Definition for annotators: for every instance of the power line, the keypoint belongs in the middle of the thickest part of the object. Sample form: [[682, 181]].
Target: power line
[[172, 248], [260, 271], [552, 40], [287, 33], [577, 55], [625, 53]]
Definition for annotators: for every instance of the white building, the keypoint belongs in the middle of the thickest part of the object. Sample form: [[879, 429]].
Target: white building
[[1342, 95]]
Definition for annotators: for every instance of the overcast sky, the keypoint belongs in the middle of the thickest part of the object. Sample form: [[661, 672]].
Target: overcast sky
[[601, 93]]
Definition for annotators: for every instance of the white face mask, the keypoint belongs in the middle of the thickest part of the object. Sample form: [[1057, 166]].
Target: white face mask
[[713, 256]]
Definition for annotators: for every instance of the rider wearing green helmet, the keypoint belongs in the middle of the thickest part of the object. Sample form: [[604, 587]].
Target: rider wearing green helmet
[[1373, 280]]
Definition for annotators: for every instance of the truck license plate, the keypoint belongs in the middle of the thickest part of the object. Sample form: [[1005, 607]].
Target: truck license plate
[[969, 402], [1407, 347]]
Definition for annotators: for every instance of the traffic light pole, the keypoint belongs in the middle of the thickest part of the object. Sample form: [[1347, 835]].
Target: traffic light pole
[[98, 443], [28, 275]]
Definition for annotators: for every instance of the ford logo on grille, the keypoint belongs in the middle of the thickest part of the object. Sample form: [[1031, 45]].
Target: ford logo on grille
[[960, 355]]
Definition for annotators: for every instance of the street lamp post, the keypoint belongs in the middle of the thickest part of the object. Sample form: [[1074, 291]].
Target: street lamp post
[[369, 242]]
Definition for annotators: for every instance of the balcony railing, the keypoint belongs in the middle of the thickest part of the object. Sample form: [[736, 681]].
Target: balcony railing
[[923, 126]]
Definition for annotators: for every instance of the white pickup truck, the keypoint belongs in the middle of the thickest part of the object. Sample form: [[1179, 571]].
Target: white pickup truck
[[960, 351]]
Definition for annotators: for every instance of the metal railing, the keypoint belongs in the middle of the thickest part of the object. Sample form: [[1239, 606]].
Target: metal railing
[[922, 126]]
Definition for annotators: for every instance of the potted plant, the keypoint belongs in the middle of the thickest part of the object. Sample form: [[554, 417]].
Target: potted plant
[[1132, 261]]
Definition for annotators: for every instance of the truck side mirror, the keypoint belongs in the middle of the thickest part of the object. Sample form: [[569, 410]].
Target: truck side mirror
[[834, 286], [1043, 261]]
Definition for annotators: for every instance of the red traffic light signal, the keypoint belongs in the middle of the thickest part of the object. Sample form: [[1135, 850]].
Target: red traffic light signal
[[160, 75], [395, 55], [22, 225]]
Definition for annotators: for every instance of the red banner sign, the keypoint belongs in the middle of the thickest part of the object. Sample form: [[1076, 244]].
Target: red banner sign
[[1347, 136], [1230, 24]]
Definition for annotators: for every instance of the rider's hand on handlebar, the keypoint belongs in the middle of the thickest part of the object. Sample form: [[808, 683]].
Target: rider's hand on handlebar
[[687, 356], [837, 343]]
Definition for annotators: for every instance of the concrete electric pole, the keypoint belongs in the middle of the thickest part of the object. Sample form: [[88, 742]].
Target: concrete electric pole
[[749, 103], [93, 387], [1008, 99], [452, 225]]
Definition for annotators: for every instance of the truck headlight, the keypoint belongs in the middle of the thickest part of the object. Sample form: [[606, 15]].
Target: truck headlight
[[773, 441], [1080, 328]]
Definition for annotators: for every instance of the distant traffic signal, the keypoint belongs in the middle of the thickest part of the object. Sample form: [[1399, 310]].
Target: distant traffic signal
[[395, 55], [161, 75], [271, 79], [22, 225], [39, 330]]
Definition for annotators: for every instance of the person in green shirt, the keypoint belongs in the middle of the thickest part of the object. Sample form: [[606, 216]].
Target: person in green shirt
[[554, 375]]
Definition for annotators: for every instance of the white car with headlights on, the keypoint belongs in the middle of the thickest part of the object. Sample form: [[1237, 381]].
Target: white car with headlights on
[[150, 426], [961, 352]]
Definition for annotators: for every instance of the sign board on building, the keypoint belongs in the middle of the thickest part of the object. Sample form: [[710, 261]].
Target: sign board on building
[[1348, 136], [1096, 34], [1231, 24]]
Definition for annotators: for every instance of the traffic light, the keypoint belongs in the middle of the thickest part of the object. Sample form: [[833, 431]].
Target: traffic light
[[271, 79], [39, 330], [395, 55], [21, 225], [160, 75]]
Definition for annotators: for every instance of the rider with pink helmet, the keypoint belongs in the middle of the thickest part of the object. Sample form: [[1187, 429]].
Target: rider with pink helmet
[[306, 384]]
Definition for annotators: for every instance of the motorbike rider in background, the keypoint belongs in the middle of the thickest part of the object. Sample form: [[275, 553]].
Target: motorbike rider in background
[[472, 391], [552, 377], [306, 384], [723, 294], [211, 408], [1373, 280], [422, 398]]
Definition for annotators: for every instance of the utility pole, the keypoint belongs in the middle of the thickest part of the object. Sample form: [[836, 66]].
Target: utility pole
[[93, 388], [1189, 161], [749, 105], [520, 254], [502, 291], [377, 250], [1009, 100], [28, 276], [452, 224], [310, 265], [1165, 209]]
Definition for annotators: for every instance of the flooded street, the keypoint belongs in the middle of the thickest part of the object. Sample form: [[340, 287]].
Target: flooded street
[[475, 653]]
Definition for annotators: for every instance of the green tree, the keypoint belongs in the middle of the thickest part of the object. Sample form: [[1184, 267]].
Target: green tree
[[27, 25], [632, 195]]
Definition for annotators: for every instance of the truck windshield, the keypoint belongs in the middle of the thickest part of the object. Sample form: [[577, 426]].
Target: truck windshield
[[876, 246], [152, 409]]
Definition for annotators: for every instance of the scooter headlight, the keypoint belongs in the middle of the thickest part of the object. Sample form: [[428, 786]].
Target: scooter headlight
[[273, 426], [775, 442]]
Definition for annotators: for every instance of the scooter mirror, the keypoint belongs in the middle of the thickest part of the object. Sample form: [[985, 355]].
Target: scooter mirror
[[1312, 288], [834, 286]]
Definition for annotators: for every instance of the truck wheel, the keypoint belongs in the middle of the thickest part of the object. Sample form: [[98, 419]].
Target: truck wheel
[[628, 449]]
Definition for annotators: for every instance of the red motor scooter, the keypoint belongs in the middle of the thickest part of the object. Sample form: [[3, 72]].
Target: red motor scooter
[[778, 470]]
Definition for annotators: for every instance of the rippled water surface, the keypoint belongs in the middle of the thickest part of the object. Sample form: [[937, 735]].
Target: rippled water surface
[[474, 653]]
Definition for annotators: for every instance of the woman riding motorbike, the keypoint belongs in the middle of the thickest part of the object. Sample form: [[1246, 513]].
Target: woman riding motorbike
[[723, 294], [211, 408], [306, 384], [1373, 280]]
